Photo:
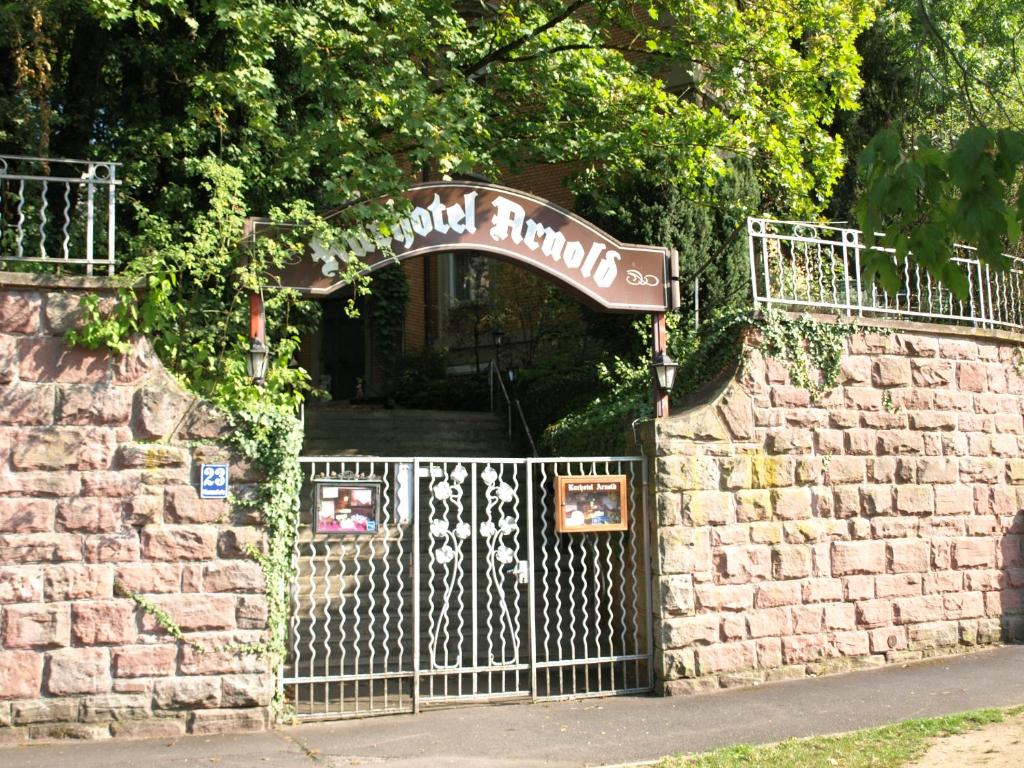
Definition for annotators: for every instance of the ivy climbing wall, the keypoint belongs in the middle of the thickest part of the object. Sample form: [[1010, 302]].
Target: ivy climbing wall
[[128, 605], [810, 529]]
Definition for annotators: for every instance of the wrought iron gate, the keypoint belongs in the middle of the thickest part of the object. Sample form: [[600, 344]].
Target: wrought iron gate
[[466, 592]]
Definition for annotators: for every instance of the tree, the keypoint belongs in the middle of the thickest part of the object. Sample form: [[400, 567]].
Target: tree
[[945, 102], [221, 108]]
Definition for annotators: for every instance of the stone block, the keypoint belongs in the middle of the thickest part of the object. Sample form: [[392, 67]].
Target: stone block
[[95, 404], [774, 594], [49, 359], [152, 456], [158, 728], [858, 588], [26, 515], [937, 634], [909, 556], [235, 576], [891, 372], [26, 405], [193, 612], [44, 710], [43, 483], [725, 657], [112, 548], [876, 500], [227, 720], [78, 582], [895, 442], [845, 469], [899, 585], [915, 610], [21, 585], [821, 590], [932, 373], [753, 505], [216, 655], [106, 622], [736, 412], [183, 505], [840, 616], [63, 448], [179, 542], [25, 548], [21, 672], [974, 553], [724, 597], [854, 369], [803, 649], [159, 409], [851, 643], [742, 564], [791, 562], [91, 515], [186, 693], [963, 605], [807, 619], [861, 442], [144, 660], [769, 622], [792, 503], [72, 671], [246, 690], [849, 557], [680, 550], [37, 626], [972, 377], [708, 508], [915, 499], [20, 312], [675, 591], [252, 610], [874, 613], [771, 471], [115, 707], [685, 631]]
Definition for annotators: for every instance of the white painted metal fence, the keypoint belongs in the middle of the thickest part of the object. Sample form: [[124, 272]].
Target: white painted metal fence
[[818, 266], [58, 212], [466, 592]]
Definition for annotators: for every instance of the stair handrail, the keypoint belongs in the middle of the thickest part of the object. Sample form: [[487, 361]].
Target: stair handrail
[[494, 372]]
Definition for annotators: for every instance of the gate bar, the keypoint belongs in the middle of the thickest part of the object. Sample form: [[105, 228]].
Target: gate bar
[[531, 590], [415, 586]]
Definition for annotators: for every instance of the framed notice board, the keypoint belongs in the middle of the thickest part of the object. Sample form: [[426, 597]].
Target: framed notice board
[[588, 503]]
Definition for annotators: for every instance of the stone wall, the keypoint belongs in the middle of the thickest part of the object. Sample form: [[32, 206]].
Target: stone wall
[[881, 524], [99, 460]]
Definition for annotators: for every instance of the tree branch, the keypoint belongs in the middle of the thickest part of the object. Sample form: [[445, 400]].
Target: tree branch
[[522, 40]]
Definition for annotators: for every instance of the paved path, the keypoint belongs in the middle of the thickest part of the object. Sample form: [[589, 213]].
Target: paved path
[[590, 732]]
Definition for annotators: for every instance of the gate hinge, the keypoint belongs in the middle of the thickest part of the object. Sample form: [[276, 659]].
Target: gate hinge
[[523, 571]]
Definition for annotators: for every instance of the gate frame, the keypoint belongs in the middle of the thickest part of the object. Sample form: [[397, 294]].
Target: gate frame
[[644, 570]]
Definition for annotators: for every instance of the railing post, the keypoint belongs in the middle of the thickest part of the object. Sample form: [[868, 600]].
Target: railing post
[[753, 261], [856, 269], [90, 212], [111, 216], [981, 296]]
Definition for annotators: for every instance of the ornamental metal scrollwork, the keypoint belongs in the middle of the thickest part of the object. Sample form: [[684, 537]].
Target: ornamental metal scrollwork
[[636, 277]]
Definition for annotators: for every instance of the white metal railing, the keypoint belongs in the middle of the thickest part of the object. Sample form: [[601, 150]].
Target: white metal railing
[[818, 266], [58, 212]]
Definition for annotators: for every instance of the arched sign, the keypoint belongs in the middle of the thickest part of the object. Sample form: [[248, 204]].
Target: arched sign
[[471, 216]]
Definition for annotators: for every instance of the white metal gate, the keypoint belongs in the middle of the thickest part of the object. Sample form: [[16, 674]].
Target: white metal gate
[[466, 592]]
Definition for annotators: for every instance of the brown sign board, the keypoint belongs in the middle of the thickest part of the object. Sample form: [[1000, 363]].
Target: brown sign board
[[474, 216]]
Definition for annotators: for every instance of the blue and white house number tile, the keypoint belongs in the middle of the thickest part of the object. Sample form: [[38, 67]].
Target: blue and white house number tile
[[213, 481]]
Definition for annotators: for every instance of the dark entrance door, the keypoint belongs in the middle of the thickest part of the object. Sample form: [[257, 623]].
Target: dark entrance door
[[343, 350]]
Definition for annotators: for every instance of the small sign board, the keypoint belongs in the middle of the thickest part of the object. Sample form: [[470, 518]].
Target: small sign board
[[213, 481], [590, 503], [346, 506]]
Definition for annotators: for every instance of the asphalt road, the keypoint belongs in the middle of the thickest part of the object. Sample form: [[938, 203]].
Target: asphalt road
[[593, 732]]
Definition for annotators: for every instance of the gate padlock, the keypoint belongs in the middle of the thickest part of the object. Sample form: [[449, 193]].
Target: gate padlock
[[523, 571]]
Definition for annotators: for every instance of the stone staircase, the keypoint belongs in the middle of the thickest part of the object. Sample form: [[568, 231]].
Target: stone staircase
[[345, 430]]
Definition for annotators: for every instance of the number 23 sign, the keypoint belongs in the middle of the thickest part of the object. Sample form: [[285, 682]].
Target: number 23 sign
[[213, 481]]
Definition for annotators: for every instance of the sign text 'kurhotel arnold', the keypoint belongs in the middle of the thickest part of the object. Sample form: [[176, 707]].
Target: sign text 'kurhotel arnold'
[[470, 216]]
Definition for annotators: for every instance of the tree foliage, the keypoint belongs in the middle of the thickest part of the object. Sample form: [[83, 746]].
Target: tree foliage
[[222, 108], [942, 120]]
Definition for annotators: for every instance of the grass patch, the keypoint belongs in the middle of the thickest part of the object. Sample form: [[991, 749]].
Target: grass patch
[[890, 746]]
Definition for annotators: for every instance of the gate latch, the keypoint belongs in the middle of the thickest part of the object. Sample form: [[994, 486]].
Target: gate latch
[[523, 571]]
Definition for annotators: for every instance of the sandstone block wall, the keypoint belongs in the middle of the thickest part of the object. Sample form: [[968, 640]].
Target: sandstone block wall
[[880, 524], [99, 460]]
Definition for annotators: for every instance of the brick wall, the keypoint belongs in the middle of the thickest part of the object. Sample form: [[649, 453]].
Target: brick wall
[[881, 524], [99, 460]]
